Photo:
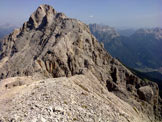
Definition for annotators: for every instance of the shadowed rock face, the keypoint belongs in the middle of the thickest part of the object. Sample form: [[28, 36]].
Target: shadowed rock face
[[51, 45]]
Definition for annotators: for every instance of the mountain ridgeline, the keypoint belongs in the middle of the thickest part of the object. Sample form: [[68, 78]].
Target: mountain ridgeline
[[141, 50], [51, 45]]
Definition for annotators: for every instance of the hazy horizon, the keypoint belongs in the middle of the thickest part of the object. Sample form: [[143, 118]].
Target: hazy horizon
[[119, 14]]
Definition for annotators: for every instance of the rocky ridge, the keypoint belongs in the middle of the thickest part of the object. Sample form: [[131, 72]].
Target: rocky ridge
[[79, 98], [51, 45], [155, 32], [104, 32]]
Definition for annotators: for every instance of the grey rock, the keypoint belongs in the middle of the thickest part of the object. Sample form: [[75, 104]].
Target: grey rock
[[146, 93], [78, 98], [50, 45]]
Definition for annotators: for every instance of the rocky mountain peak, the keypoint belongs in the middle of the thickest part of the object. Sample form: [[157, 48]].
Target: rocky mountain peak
[[52, 45], [43, 16]]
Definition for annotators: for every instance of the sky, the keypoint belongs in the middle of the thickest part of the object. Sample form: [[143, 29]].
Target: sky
[[115, 13]]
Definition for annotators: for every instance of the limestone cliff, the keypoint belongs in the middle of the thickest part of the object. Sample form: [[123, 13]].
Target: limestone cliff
[[52, 45]]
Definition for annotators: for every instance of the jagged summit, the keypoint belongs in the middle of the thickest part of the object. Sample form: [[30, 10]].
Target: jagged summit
[[51, 45], [43, 13], [43, 16], [46, 34]]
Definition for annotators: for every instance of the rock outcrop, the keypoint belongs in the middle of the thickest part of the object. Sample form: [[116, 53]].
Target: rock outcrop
[[51, 45]]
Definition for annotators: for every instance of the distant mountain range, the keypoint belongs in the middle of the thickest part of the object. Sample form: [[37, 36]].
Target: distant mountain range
[[104, 33], [126, 32], [141, 50]]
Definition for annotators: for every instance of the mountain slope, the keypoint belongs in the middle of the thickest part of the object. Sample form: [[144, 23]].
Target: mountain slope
[[51, 45], [141, 50], [126, 32], [113, 42], [104, 33], [77, 98], [146, 43]]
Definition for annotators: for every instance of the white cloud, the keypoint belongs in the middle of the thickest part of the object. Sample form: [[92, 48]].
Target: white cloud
[[91, 16]]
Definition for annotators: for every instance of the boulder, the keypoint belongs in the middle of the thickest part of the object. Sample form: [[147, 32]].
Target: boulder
[[146, 93]]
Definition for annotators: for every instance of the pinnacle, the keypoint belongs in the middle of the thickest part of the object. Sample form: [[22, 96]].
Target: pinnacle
[[42, 12], [46, 8]]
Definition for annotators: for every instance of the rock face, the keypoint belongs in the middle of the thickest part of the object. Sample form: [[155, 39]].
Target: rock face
[[51, 45], [146, 93]]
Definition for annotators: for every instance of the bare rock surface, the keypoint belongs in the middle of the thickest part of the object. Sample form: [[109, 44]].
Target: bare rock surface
[[146, 93], [51, 45], [78, 98]]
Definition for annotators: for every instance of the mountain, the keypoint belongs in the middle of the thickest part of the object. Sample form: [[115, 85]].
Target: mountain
[[115, 45], [146, 43], [109, 37], [103, 32], [141, 50], [54, 69], [126, 32]]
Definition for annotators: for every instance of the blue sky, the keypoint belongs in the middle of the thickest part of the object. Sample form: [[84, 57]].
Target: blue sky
[[116, 13]]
